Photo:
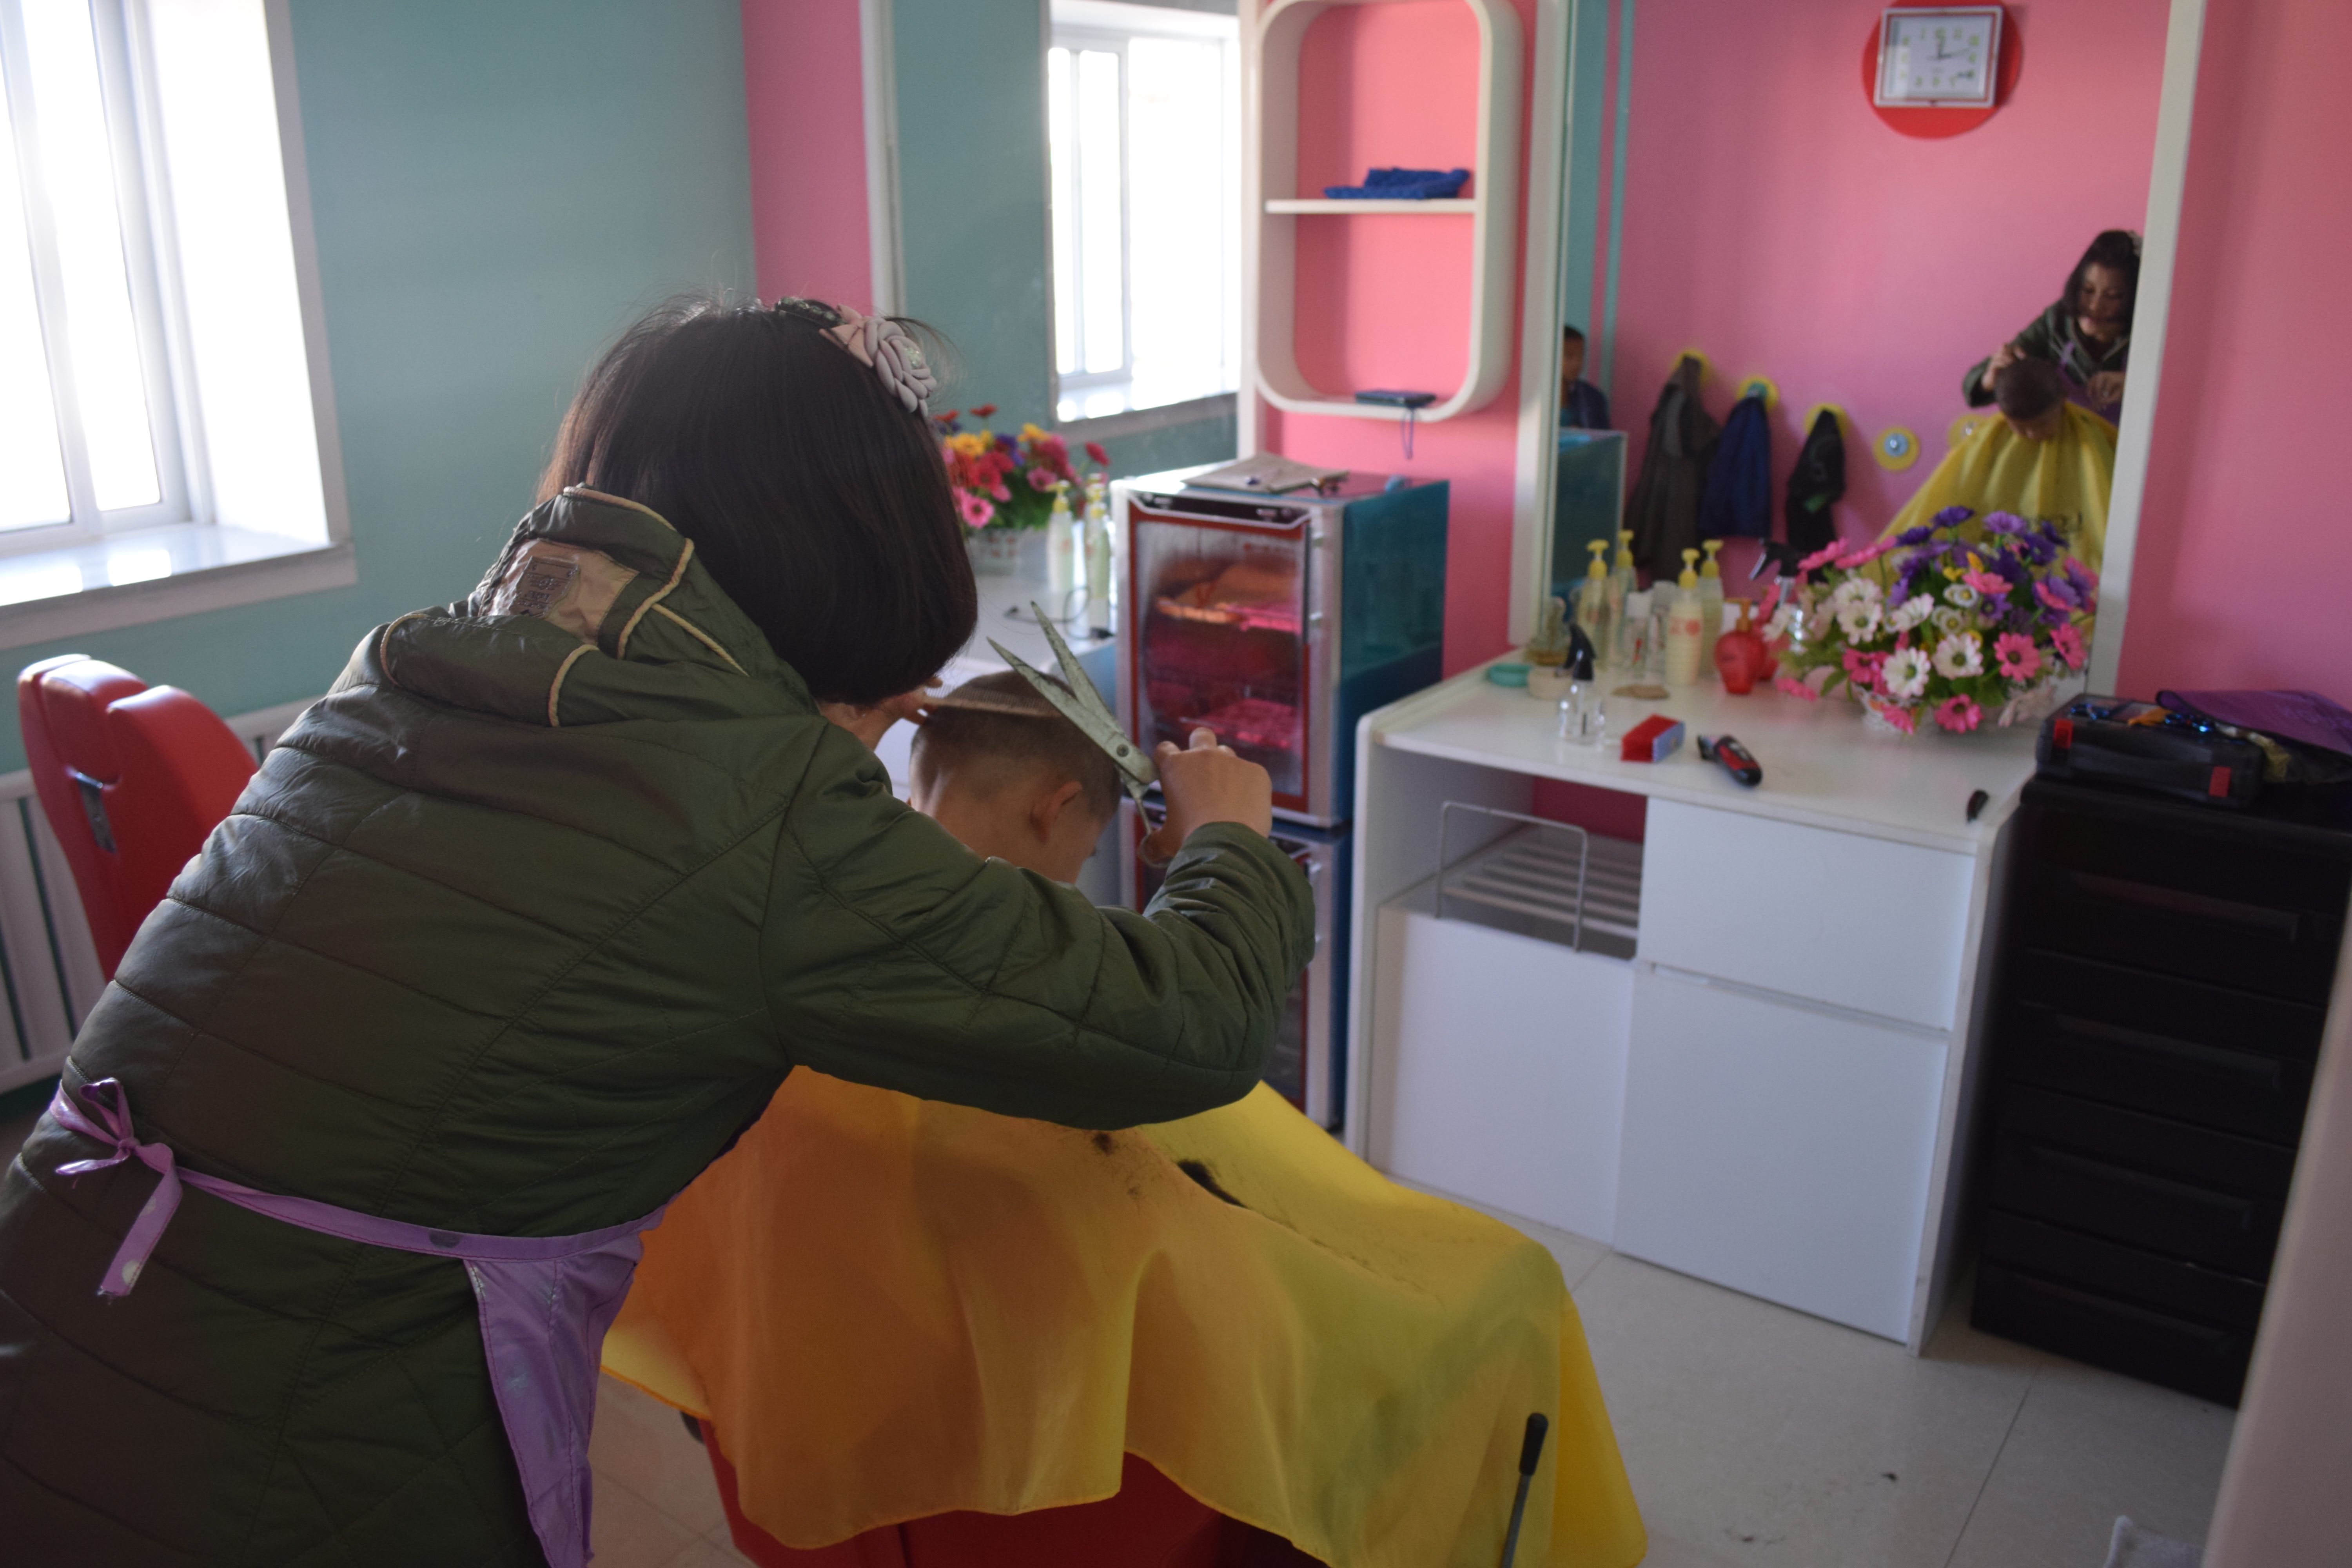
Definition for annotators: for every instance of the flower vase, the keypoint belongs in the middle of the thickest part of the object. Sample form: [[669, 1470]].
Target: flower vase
[[995, 552], [1878, 723]]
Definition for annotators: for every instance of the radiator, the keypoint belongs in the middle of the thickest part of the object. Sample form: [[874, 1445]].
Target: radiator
[[48, 966]]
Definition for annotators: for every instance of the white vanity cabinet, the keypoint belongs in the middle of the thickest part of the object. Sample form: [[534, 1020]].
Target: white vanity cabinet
[[1769, 1093]]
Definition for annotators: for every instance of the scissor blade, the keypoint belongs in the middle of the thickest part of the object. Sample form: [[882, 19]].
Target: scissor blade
[[1073, 672], [1134, 763]]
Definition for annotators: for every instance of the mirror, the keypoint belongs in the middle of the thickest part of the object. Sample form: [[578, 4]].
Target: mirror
[[1733, 194]]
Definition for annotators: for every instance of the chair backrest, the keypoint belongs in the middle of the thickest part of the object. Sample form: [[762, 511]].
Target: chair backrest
[[132, 778]]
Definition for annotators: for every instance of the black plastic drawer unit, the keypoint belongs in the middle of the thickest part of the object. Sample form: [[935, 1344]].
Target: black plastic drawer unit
[[2160, 984]]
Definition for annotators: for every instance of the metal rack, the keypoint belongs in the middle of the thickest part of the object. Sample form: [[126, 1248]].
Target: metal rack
[[1549, 880]]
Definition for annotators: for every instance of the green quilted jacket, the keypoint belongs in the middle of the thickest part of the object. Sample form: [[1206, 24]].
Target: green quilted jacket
[[512, 933]]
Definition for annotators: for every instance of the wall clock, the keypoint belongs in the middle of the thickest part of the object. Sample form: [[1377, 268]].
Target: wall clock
[[1940, 57], [1931, 70]]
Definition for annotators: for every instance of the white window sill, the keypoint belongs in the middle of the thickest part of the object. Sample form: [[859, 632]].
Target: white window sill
[[1100, 413], [155, 575]]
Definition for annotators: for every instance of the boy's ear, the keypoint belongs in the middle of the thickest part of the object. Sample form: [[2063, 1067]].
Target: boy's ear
[[1046, 810]]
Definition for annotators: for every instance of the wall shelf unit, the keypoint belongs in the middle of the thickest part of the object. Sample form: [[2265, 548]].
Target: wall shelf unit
[[1271, 171]]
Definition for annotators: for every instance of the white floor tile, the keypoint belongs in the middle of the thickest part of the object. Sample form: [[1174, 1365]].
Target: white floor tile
[[641, 1442], [627, 1532], [1759, 1436], [2088, 1445]]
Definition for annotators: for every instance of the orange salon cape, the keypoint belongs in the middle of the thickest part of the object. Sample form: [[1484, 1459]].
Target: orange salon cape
[[892, 1308], [2064, 480]]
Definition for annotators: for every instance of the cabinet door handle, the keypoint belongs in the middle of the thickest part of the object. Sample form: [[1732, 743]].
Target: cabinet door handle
[[2212, 1061], [2280, 925], [2240, 1211]]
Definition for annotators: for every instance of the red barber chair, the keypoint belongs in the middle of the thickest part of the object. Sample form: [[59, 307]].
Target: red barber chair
[[132, 778]]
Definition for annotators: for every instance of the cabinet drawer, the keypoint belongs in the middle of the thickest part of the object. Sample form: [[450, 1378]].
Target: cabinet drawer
[[2225, 1230], [2153, 1143], [2156, 1347], [2210, 1085], [2128, 1273], [1778, 1150], [1855, 921]]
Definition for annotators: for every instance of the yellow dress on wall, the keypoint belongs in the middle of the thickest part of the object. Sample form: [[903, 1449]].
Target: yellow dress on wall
[[892, 1308], [2065, 480]]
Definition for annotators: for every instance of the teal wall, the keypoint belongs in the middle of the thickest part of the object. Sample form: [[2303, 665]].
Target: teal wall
[[498, 186], [973, 226]]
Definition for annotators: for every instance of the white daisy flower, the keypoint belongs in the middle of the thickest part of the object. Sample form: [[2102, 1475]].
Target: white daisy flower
[[1960, 656], [1960, 593], [1905, 674], [1860, 621], [1853, 591], [1949, 618], [1910, 612], [1783, 620]]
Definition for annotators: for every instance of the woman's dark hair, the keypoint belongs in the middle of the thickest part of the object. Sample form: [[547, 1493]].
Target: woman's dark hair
[[817, 501], [2116, 249]]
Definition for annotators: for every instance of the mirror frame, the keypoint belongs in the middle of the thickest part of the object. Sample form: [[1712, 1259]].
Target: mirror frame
[[1548, 120]]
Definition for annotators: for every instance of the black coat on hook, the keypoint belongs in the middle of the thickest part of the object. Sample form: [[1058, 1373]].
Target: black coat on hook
[[1663, 512], [1816, 484]]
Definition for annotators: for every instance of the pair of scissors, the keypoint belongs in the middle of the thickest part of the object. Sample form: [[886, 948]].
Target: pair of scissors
[[1082, 705]]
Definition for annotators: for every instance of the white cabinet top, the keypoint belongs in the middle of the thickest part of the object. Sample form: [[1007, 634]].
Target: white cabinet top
[[1821, 767]]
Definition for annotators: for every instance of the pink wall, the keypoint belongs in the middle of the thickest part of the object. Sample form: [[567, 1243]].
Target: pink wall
[[1384, 301], [1773, 221], [805, 98], [2245, 549]]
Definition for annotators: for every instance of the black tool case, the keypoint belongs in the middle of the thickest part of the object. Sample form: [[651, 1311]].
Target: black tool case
[[2162, 977]]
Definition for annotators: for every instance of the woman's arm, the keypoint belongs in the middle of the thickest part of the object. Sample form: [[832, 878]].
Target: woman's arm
[[894, 956]]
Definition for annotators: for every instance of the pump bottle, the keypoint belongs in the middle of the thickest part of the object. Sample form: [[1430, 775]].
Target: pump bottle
[[1592, 597], [1061, 551], [1619, 650], [1098, 526], [1685, 636], [1710, 592]]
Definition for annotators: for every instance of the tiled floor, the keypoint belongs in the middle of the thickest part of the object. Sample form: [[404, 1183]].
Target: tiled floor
[[1755, 1436]]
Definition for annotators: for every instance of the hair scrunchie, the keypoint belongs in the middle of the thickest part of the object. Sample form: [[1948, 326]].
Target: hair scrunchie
[[878, 343]]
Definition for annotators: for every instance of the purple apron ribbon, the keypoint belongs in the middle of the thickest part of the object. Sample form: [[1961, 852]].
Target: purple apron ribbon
[[544, 1301]]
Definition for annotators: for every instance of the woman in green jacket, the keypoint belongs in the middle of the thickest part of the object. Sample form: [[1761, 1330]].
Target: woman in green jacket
[[509, 937], [2086, 334]]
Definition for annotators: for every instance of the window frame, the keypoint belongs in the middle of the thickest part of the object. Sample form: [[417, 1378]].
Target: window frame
[[142, 212], [1111, 28]]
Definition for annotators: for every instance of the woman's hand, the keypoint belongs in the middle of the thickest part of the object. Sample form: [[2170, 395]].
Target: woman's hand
[[871, 724], [2107, 387], [1206, 782], [2002, 358]]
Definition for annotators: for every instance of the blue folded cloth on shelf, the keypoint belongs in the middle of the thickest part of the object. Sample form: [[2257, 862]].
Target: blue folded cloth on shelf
[[1402, 184]]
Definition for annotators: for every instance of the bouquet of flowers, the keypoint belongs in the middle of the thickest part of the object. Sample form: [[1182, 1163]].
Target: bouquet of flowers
[[1930, 624], [1005, 482]]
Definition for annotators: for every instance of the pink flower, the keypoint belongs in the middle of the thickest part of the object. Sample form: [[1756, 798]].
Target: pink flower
[[977, 512], [1866, 555], [1095, 453], [1901, 718], [1797, 689], [1043, 478], [1959, 714], [1991, 585], [2018, 658], [1827, 553], [2069, 643], [1863, 669]]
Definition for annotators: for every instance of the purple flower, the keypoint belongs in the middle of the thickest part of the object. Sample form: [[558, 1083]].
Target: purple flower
[[2058, 594], [1918, 535], [2004, 523], [1953, 516]]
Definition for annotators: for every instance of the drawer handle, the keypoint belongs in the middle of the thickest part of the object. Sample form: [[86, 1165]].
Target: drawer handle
[[2241, 1211], [2281, 924], [2211, 1061]]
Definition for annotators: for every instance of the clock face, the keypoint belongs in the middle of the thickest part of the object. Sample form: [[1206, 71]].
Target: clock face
[[1940, 57]]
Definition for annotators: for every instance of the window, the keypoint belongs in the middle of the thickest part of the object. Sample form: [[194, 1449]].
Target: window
[[1143, 133], [155, 375]]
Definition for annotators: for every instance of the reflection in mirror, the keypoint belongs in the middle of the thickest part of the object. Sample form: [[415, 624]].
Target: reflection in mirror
[[1733, 194]]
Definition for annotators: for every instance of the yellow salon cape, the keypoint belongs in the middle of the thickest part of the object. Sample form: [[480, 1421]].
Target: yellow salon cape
[[891, 1307], [2065, 480]]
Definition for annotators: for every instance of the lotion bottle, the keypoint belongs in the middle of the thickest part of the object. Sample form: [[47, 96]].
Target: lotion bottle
[[1061, 551], [1618, 651], [1710, 593], [1593, 597], [1097, 559], [1685, 630]]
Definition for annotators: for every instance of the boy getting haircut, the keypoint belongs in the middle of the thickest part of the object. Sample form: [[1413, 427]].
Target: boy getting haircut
[[2028, 389], [997, 727]]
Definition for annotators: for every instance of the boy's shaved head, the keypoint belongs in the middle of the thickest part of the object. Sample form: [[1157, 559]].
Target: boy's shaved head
[[998, 721]]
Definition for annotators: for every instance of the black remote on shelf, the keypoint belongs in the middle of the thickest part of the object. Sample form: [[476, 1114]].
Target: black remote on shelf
[[1736, 760]]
